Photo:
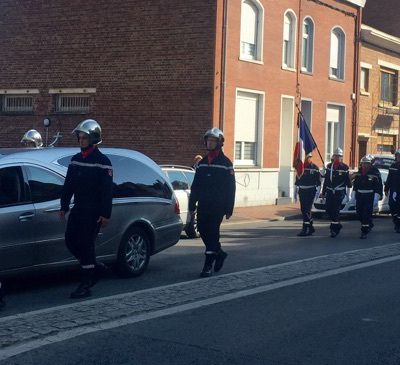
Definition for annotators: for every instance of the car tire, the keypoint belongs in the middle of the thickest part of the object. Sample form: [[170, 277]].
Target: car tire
[[133, 253], [191, 229]]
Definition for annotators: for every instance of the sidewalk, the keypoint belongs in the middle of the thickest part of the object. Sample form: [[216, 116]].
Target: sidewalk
[[267, 212]]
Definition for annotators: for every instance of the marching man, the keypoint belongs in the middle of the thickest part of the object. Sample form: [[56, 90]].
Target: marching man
[[336, 188], [367, 191], [392, 186]]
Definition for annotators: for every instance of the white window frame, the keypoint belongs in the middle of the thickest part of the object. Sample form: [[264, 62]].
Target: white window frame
[[341, 54], [260, 33], [292, 39], [364, 89], [328, 154], [258, 163], [309, 67]]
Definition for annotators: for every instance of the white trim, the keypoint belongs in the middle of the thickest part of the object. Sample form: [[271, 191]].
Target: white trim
[[250, 60], [360, 3], [283, 96], [379, 38], [366, 65], [313, 48], [18, 91], [88, 90], [293, 14], [388, 65], [332, 77]]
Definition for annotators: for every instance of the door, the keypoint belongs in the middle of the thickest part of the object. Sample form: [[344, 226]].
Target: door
[[362, 149], [16, 220], [181, 188], [45, 189]]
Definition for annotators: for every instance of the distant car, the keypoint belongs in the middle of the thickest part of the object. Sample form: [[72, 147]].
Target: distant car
[[349, 207], [145, 217], [181, 179]]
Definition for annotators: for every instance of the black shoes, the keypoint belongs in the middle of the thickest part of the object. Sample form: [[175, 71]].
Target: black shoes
[[208, 265], [363, 235], [82, 291], [219, 261], [2, 302]]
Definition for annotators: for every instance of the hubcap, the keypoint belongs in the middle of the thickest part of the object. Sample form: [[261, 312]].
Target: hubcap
[[136, 251]]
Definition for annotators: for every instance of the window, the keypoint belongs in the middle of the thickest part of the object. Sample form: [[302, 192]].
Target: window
[[336, 64], [17, 104], [44, 185], [12, 190], [289, 39], [133, 178], [334, 129], [389, 86], [251, 24], [364, 80], [308, 45], [247, 124], [178, 180], [306, 110], [72, 103]]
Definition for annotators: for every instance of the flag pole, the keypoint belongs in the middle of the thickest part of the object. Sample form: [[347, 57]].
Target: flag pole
[[308, 129]]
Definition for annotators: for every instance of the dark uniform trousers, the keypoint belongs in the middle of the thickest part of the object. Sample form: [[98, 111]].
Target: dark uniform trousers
[[333, 206], [364, 208], [306, 201], [392, 185], [209, 224], [394, 206]]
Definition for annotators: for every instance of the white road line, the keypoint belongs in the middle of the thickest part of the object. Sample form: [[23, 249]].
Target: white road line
[[19, 349]]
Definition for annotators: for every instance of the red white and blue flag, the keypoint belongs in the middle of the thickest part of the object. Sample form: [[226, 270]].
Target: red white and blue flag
[[305, 144]]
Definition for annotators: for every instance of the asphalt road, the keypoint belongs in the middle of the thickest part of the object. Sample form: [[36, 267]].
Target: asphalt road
[[249, 245]]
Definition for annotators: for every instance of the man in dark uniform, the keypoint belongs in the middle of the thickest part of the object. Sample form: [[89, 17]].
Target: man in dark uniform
[[367, 190], [89, 180], [337, 180], [392, 188], [213, 190], [308, 184]]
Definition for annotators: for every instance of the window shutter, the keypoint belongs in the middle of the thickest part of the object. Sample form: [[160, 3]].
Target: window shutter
[[334, 59], [249, 23], [286, 28], [246, 117], [333, 114]]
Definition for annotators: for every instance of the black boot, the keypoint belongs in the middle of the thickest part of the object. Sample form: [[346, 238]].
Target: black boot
[[2, 302], [303, 231], [311, 229], [208, 264], [87, 281], [219, 260]]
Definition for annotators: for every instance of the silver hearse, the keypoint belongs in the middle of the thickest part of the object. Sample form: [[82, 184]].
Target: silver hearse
[[145, 217]]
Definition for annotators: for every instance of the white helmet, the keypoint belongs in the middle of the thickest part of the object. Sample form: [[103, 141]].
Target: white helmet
[[32, 136], [366, 159], [338, 152], [91, 128]]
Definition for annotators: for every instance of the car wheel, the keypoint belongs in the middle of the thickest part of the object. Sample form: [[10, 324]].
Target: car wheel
[[133, 253], [191, 229]]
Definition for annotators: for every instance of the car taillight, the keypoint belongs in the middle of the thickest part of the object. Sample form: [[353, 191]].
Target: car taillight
[[177, 209]]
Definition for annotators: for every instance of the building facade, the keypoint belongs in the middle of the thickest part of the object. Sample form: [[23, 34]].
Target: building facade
[[379, 125], [158, 74]]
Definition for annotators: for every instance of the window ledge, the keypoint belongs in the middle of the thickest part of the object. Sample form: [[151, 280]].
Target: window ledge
[[333, 78], [288, 69], [365, 93], [258, 62], [305, 72], [385, 105]]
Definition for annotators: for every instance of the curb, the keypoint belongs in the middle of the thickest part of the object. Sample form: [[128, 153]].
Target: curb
[[244, 220]]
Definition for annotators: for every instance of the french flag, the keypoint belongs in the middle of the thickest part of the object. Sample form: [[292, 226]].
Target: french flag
[[305, 144]]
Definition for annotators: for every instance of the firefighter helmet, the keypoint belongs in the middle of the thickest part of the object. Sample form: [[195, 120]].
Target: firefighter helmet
[[366, 159], [32, 136], [91, 128], [338, 152], [216, 133]]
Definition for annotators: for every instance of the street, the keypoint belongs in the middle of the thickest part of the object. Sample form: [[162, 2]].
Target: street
[[279, 299]]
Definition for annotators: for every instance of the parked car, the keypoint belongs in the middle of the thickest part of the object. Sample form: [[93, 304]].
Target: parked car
[[145, 217], [349, 207], [181, 179]]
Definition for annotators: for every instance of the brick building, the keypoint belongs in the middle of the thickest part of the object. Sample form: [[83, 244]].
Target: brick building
[[157, 74], [379, 125]]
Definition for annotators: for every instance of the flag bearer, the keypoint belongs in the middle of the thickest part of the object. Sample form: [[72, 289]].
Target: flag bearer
[[336, 188], [307, 184], [367, 190], [392, 188], [213, 190]]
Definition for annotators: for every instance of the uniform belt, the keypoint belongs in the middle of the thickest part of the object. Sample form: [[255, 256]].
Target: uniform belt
[[365, 191], [307, 186], [336, 189]]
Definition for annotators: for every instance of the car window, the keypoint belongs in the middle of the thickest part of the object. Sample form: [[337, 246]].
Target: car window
[[133, 178], [178, 180], [12, 190], [189, 176], [65, 161], [44, 185]]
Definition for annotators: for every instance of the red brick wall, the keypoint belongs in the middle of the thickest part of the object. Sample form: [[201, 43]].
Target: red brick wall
[[270, 78], [151, 62]]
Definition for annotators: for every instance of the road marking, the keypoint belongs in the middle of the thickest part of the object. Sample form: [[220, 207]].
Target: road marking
[[69, 334]]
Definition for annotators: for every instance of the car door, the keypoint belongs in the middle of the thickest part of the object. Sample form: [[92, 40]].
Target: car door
[[17, 215], [45, 189], [181, 188]]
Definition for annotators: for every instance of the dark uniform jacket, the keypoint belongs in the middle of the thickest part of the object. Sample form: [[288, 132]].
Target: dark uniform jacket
[[213, 186], [393, 180], [368, 183], [311, 177], [336, 179], [90, 181]]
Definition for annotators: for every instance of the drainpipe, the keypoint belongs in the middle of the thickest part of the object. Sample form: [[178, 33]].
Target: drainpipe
[[356, 88], [223, 65]]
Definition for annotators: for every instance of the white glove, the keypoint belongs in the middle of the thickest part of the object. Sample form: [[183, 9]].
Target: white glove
[[317, 193], [376, 198], [394, 194], [353, 197], [345, 199]]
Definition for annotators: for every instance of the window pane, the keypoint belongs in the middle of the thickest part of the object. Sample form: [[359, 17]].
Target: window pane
[[249, 151], [238, 151], [134, 179], [11, 186], [249, 29], [44, 185], [178, 180]]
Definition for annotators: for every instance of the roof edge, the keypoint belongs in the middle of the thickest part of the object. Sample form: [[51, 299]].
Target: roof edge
[[360, 3]]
